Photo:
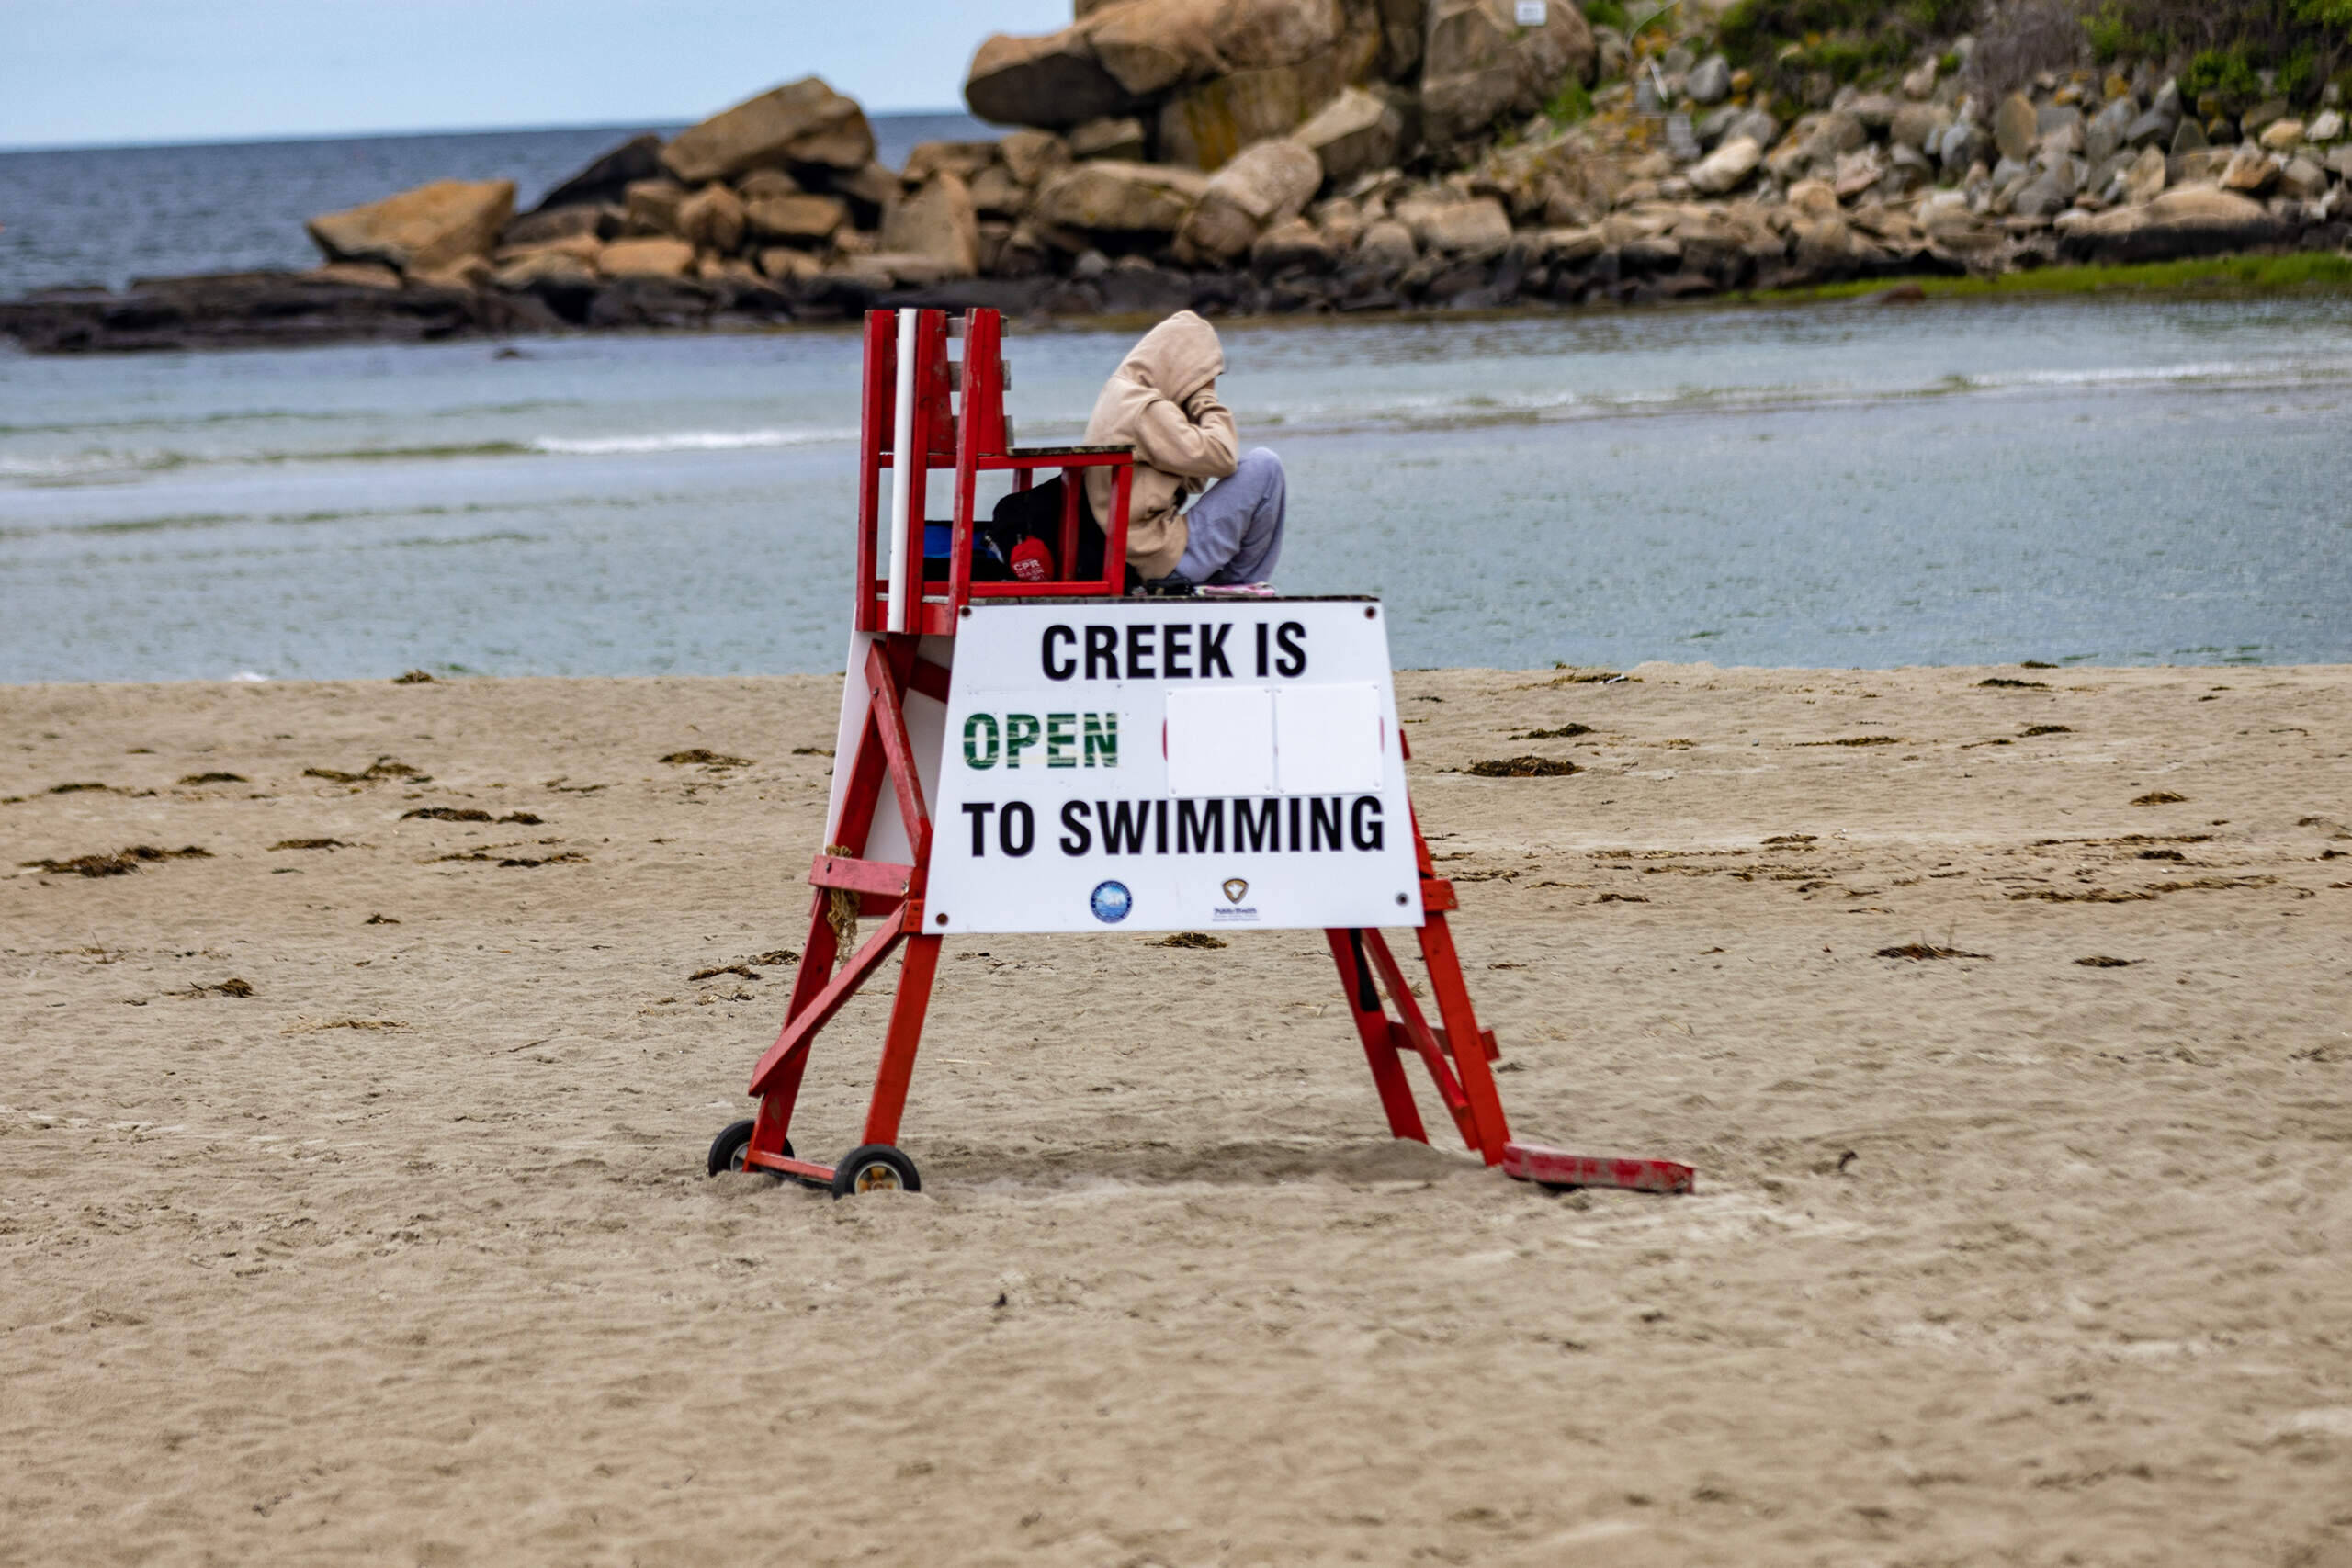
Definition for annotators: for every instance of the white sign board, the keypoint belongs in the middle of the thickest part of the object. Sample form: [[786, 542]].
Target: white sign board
[[1531, 13], [1172, 764]]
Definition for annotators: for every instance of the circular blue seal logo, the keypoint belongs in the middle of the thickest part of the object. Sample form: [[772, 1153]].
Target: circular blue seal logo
[[1111, 902]]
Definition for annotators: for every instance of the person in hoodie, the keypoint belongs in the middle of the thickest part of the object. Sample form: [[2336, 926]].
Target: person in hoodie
[[1162, 402]]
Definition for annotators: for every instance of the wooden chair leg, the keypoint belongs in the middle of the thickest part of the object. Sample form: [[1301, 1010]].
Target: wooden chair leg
[[1371, 1028]]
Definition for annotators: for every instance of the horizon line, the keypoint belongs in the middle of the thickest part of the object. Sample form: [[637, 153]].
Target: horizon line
[[388, 135]]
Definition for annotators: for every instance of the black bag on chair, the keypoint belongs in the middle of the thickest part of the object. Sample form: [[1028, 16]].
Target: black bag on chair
[[1036, 514]]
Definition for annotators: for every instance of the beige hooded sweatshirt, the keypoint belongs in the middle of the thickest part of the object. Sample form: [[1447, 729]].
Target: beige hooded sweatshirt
[[1160, 402]]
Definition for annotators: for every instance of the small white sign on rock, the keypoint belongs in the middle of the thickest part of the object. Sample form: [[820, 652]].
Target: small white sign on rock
[[1533, 12]]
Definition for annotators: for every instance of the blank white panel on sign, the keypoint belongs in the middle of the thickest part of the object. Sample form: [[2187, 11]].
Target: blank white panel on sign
[[1327, 738], [1221, 742]]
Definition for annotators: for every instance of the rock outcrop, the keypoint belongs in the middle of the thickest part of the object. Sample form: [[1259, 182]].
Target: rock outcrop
[[939, 224], [1481, 65], [802, 123], [1268, 184], [604, 180], [1202, 79], [2197, 222], [1111, 198], [1302, 155], [1057, 80], [429, 230]]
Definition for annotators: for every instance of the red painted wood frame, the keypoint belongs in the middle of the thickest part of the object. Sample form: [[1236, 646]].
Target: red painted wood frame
[[883, 755], [958, 422]]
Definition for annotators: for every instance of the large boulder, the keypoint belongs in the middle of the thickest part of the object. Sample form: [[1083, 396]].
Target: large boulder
[[762, 183], [1475, 230], [1403, 23], [2145, 181], [1207, 123], [1030, 155], [1113, 136], [1253, 34], [1951, 230], [803, 122], [430, 228], [939, 224], [1149, 45], [797, 219], [2016, 128], [2303, 179], [964, 160], [1727, 168], [1108, 196], [872, 190], [2195, 222], [1710, 82], [1479, 64], [1555, 183], [2249, 172], [548, 224], [652, 207], [646, 258], [1294, 242], [1265, 184], [712, 219], [996, 193], [1919, 126], [2107, 129], [1352, 134], [546, 270], [638, 158], [1055, 81]]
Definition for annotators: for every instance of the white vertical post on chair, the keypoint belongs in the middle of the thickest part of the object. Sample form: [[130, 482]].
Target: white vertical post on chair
[[902, 464]]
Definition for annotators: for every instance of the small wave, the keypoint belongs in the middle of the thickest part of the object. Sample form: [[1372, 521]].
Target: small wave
[[271, 416], [1442, 411], [686, 441], [89, 465], [103, 464], [2222, 370]]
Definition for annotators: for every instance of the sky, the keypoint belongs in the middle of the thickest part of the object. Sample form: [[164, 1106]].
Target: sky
[[110, 72]]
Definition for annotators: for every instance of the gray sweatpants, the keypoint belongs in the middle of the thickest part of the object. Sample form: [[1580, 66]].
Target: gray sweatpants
[[1237, 527]]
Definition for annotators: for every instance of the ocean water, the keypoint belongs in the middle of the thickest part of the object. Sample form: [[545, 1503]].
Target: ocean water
[[2140, 482], [107, 215]]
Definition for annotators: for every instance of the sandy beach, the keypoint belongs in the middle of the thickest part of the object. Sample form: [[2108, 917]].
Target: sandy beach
[[351, 1205]]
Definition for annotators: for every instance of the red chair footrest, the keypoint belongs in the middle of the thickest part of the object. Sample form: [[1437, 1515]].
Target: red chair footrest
[[1557, 1168]]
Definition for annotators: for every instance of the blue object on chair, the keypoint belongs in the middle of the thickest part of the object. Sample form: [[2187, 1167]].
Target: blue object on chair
[[938, 540]]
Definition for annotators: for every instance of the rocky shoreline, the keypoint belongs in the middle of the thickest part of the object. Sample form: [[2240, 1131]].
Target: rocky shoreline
[[1267, 157]]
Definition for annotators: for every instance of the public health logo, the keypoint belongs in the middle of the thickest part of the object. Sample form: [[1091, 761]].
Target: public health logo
[[1233, 910], [1111, 902], [1235, 890]]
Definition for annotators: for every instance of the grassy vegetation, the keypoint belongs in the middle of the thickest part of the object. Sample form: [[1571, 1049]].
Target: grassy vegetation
[[2228, 43], [2302, 43], [1612, 14], [2306, 272], [1844, 37], [1571, 105], [2226, 72]]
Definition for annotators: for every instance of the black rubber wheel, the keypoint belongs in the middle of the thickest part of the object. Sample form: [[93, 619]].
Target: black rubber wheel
[[875, 1168], [727, 1149]]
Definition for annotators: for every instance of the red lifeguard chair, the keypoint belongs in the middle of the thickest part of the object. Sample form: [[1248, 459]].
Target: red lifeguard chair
[[923, 410]]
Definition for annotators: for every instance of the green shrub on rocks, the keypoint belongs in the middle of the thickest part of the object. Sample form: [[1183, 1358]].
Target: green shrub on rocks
[[2226, 73], [1845, 39], [1571, 105]]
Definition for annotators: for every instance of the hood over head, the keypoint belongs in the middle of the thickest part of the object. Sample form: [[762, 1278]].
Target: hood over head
[[1176, 358]]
